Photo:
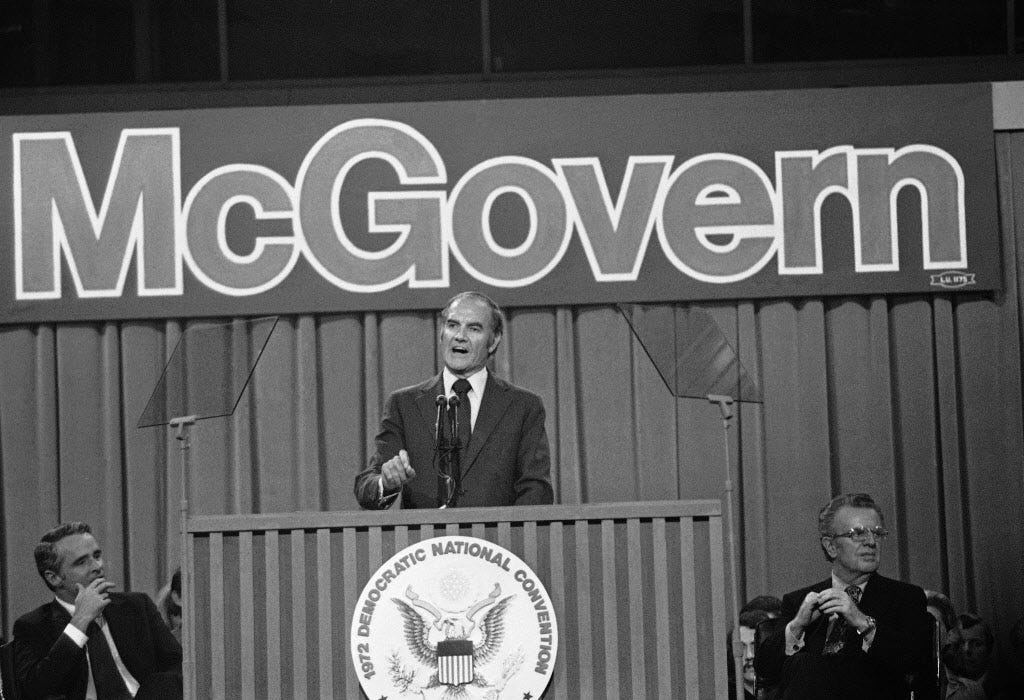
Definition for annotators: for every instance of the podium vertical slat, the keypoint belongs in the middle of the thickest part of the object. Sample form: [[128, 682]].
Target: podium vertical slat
[[247, 616], [401, 537], [688, 586], [662, 617], [426, 532], [556, 546], [299, 655], [530, 545], [636, 608], [351, 587], [273, 583], [722, 658], [505, 534], [611, 614], [325, 623], [586, 626], [376, 547], [217, 621]]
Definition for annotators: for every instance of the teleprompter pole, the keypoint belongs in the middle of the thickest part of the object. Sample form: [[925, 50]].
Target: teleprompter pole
[[724, 406], [183, 427]]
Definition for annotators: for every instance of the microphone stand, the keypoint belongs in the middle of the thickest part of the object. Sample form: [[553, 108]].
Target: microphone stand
[[442, 451], [454, 464]]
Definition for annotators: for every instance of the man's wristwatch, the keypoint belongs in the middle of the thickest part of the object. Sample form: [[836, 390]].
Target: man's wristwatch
[[871, 625]]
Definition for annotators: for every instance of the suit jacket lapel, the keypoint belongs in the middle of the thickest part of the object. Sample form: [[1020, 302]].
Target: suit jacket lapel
[[495, 402], [59, 617], [118, 623], [876, 600]]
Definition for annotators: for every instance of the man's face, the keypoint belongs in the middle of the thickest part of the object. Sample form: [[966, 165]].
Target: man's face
[[853, 559], [747, 640], [975, 651], [81, 561], [467, 338]]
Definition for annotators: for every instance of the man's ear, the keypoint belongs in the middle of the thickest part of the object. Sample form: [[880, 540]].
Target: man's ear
[[495, 342], [52, 578], [830, 547]]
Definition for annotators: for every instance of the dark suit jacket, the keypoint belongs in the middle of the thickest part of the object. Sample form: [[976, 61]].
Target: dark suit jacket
[[901, 649], [507, 461], [50, 665]]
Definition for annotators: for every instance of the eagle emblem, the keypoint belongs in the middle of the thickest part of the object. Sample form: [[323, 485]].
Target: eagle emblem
[[454, 643]]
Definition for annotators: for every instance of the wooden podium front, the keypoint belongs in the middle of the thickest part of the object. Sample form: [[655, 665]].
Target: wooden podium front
[[638, 590]]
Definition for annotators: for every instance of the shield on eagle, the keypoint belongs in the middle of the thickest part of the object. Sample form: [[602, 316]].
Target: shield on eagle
[[455, 661]]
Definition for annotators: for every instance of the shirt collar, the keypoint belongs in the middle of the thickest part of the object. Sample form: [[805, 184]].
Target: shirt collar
[[67, 606], [841, 585], [478, 381]]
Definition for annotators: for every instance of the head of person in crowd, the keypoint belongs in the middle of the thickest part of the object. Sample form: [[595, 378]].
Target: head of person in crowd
[[172, 604], [472, 326], [969, 647], [941, 608], [851, 528], [68, 556], [749, 620], [768, 603]]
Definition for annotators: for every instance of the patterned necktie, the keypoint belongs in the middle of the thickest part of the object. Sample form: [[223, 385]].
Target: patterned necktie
[[105, 676], [837, 630]]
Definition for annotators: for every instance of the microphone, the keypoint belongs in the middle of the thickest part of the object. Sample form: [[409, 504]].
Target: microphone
[[439, 423]]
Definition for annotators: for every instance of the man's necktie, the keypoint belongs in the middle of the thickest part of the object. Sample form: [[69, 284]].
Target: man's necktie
[[105, 676], [837, 631], [461, 388]]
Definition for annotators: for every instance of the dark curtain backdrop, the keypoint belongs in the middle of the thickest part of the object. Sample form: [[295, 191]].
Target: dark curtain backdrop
[[914, 399]]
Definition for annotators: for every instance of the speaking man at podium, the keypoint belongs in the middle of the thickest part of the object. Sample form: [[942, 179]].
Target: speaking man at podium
[[463, 437]]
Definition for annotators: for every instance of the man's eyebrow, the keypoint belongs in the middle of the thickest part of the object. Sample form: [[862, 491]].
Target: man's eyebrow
[[96, 555]]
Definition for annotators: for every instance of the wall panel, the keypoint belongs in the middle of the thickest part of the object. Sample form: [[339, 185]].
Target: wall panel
[[916, 399]]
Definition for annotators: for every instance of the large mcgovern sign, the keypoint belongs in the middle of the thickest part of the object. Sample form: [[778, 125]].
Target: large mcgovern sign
[[541, 201]]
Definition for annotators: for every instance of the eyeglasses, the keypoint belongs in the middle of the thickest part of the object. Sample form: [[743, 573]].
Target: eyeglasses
[[860, 534]]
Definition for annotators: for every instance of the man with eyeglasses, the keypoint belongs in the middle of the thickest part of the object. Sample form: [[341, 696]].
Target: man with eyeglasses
[[857, 634]]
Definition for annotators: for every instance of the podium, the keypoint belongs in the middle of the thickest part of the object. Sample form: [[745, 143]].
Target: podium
[[638, 590]]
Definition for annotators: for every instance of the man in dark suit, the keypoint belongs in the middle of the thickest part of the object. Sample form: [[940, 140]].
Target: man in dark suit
[[91, 642], [505, 460], [857, 634]]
